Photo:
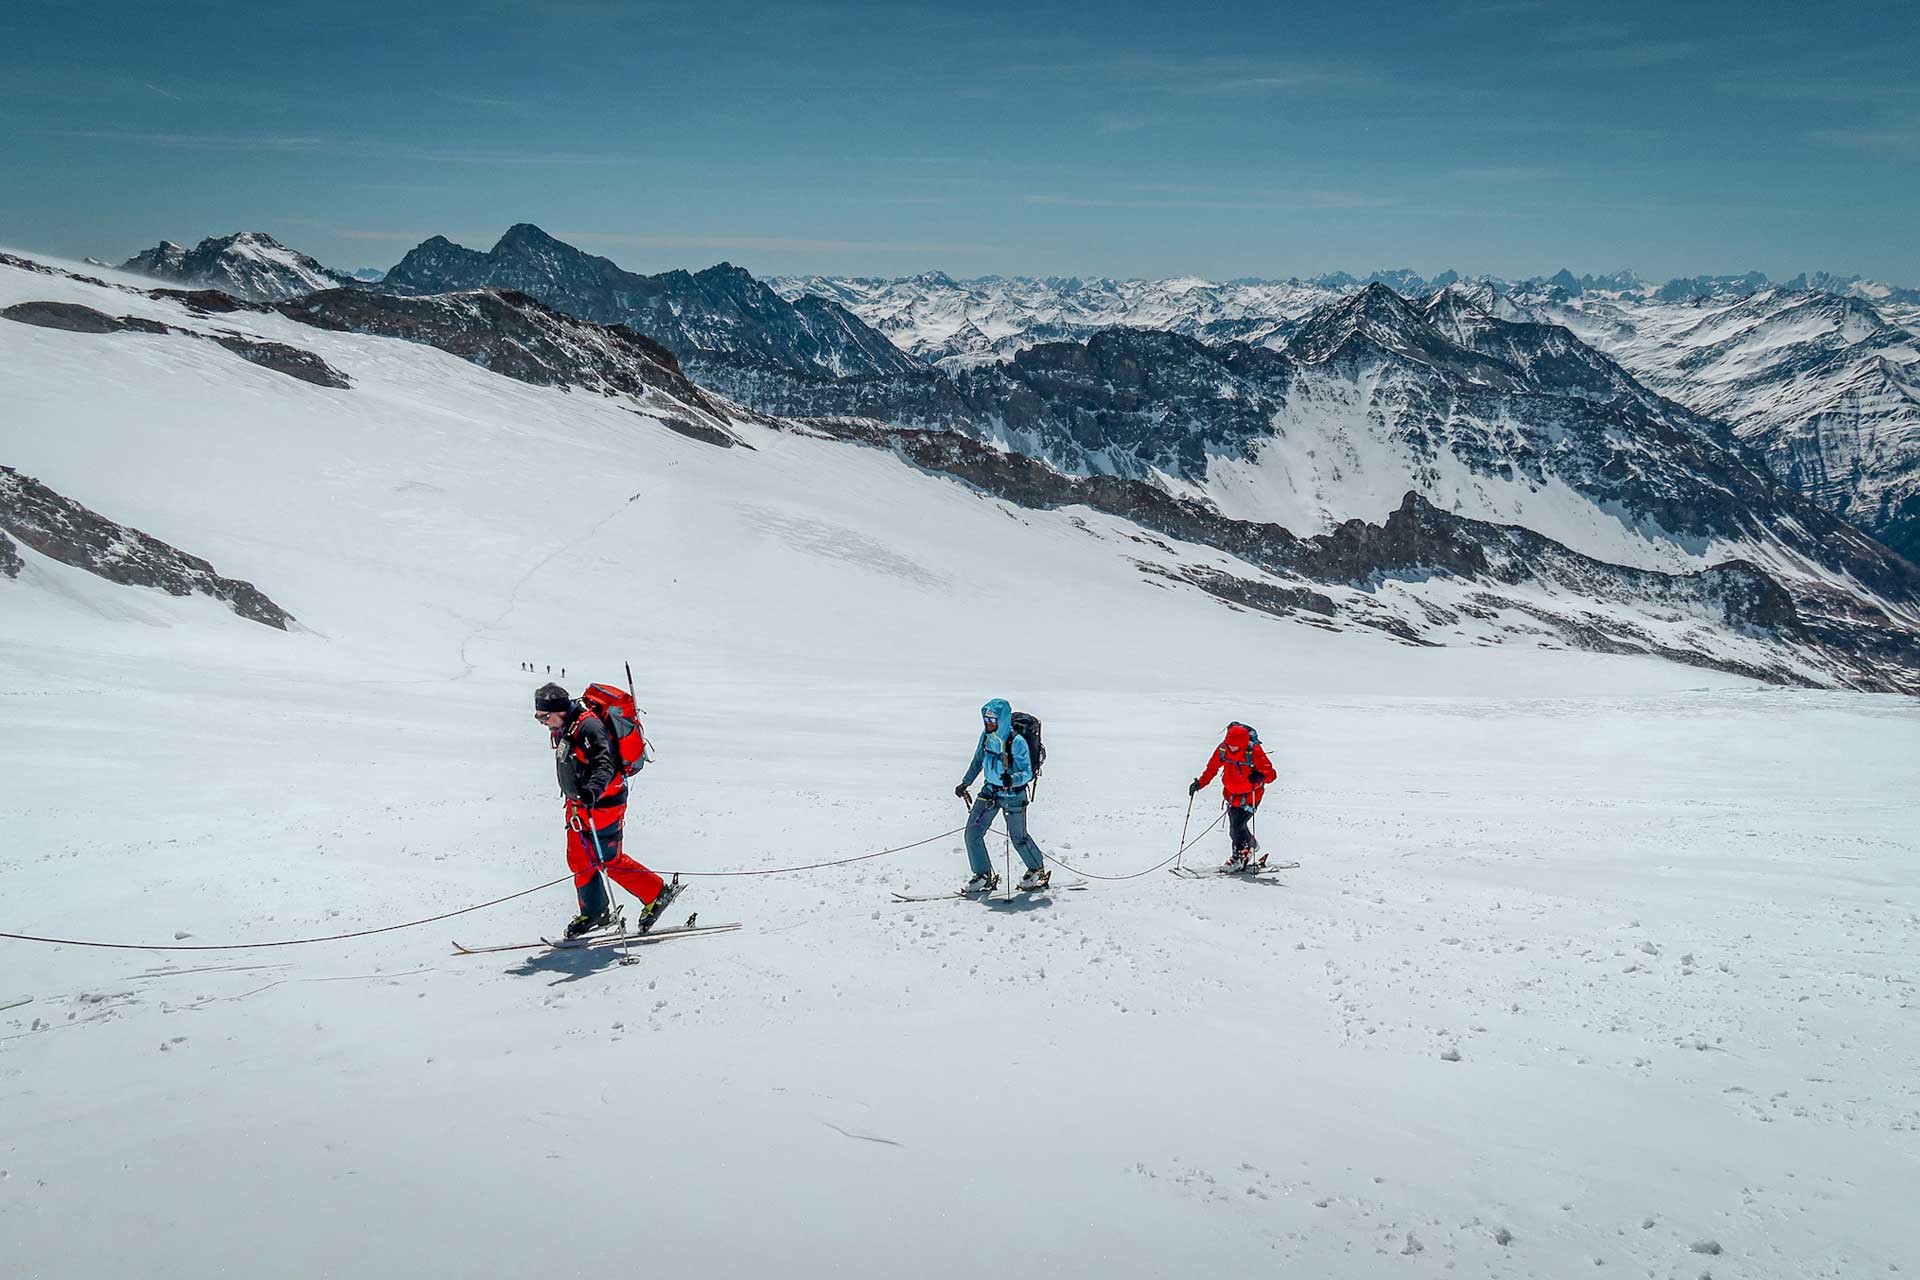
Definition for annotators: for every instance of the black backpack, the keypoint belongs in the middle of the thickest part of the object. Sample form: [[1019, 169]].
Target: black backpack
[[1028, 727]]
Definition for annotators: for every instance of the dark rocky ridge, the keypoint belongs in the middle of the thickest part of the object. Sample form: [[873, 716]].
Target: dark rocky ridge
[[10, 562], [63, 530], [518, 337], [277, 356], [722, 309]]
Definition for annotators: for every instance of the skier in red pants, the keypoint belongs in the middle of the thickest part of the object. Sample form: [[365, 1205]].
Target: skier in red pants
[[1244, 773], [595, 788]]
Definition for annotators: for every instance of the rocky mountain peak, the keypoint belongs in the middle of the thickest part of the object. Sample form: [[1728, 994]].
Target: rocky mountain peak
[[247, 264]]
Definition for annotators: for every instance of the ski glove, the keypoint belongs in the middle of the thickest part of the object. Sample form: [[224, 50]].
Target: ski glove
[[1193, 788], [963, 793]]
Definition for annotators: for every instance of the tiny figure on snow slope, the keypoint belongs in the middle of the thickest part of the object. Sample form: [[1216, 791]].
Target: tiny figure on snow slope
[[1003, 756], [594, 784], [1244, 772]]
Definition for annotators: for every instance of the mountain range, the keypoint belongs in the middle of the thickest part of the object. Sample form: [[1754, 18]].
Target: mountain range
[[1579, 409]]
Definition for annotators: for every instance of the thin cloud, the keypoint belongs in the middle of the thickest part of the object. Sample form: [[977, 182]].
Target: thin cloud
[[164, 93], [1287, 201], [364, 147], [1511, 173], [1898, 138], [401, 237], [1825, 88], [212, 141], [1627, 57], [767, 242], [1123, 124], [476, 100]]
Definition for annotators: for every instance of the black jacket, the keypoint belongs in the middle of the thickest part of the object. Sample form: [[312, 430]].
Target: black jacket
[[584, 761]]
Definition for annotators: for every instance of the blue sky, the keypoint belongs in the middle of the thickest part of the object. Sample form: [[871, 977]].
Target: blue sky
[[1264, 139]]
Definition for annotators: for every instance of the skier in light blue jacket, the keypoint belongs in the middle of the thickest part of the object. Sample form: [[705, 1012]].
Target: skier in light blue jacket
[[1003, 756]]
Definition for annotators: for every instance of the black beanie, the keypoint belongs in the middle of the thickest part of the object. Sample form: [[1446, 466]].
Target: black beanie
[[550, 697]]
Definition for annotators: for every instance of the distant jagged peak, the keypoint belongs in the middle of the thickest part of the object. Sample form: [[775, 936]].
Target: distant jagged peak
[[525, 235], [1378, 317], [247, 264]]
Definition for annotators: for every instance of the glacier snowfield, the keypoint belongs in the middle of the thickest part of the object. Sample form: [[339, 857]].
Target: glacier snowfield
[[1591, 962]]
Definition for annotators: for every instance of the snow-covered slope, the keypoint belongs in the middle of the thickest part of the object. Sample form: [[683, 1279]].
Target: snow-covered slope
[[1529, 878], [247, 264]]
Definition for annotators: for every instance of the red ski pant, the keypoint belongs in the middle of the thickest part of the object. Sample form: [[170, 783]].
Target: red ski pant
[[596, 848]]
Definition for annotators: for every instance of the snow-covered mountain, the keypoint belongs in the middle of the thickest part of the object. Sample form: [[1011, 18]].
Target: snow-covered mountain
[[1508, 422], [1821, 383], [1816, 375], [720, 314], [248, 264], [961, 323]]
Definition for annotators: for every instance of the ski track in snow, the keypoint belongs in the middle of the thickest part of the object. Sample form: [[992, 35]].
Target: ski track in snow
[[1588, 960]]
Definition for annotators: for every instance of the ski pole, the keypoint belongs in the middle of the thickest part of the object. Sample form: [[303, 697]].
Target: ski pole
[[599, 861], [1180, 858]]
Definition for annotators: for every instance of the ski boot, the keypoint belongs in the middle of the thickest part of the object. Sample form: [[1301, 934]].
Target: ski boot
[[1240, 861], [983, 883], [1036, 878], [584, 924], [650, 913]]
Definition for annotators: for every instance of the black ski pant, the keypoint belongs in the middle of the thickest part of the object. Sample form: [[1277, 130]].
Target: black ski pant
[[1240, 827]]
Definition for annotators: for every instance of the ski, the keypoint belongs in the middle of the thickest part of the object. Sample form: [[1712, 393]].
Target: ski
[[663, 934], [963, 895], [1208, 873]]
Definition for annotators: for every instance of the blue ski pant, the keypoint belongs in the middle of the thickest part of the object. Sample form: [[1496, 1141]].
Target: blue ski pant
[[1014, 805]]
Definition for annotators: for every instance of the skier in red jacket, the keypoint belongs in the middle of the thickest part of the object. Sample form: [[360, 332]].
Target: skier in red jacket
[[1244, 773], [595, 788]]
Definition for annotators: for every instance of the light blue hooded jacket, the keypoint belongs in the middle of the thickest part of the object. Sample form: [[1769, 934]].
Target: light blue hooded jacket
[[992, 753]]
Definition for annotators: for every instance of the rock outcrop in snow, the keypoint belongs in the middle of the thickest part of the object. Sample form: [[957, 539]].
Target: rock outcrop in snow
[[277, 356], [518, 337], [61, 529]]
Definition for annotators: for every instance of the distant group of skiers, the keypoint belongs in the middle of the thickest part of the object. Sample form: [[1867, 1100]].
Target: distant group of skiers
[[598, 744]]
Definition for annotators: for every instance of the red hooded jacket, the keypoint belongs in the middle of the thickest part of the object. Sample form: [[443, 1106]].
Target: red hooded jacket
[[1243, 766]]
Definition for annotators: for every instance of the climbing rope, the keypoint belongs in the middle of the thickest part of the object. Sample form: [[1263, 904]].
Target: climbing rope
[[448, 915], [286, 942], [1150, 870], [840, 862]]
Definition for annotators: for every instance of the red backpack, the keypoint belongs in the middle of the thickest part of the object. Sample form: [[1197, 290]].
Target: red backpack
[[618, 711]]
